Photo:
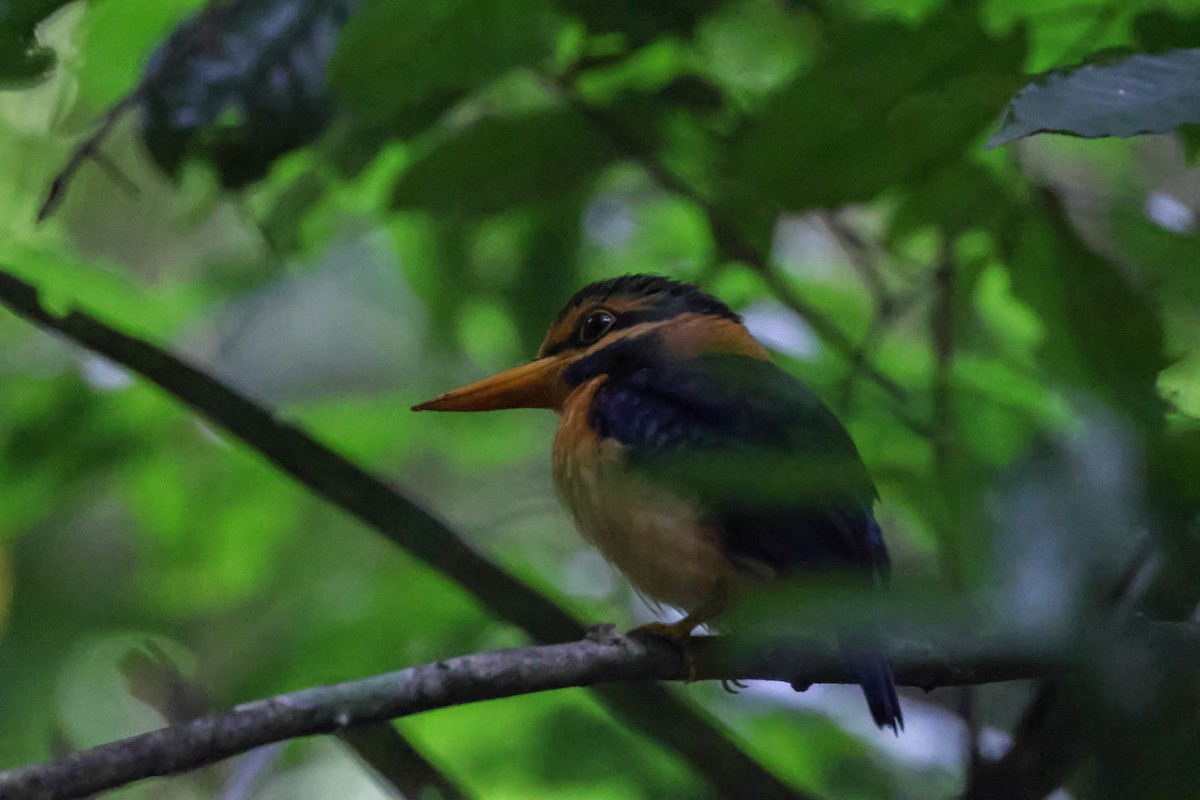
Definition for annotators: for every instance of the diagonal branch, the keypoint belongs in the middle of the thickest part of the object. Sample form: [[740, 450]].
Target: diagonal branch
[[89, 148], [603, 656], [649, 709], [400, 763]]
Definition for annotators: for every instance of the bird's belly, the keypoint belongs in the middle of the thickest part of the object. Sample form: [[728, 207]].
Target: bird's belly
[[654, 537]]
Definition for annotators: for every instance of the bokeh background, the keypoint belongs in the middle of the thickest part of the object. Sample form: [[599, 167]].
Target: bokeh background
[[344, 208]]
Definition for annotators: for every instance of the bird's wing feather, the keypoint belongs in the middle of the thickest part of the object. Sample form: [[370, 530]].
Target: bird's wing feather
[[767, 460]]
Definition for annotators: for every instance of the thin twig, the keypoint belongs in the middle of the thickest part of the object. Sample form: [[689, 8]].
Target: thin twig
[[942, 332], [649, 709], [398, 762], [89, 148], [858, 254]]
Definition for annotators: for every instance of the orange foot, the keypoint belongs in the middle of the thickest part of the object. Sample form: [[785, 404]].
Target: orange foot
[[677, 632]]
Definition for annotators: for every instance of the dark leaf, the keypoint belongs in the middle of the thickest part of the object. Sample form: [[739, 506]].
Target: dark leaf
[[240, 84], [1104, 336], [640, 21], [954, 199], [1133, 95], [497, 164], [678, 124], [549, 271], [404, 58], [901, 100], [24, 60], [1174, 472], [1157, 31]]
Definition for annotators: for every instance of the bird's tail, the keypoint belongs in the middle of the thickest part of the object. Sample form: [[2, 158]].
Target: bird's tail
[[879, 687]]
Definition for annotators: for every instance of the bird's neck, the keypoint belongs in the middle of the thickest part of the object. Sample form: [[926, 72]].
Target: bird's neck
[[694, 335]]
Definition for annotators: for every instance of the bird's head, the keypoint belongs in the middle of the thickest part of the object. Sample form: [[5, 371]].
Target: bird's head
[[620, 324]]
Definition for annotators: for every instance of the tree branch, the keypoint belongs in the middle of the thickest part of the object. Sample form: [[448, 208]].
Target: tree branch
[[603, 656], [649, 709], [401, 764]]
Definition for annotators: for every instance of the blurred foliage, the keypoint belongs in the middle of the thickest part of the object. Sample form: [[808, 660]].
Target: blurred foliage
[[239, 84], [23, 59], [344, 208]]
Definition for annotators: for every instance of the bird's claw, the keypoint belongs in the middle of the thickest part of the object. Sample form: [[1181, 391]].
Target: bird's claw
[[678, 633]]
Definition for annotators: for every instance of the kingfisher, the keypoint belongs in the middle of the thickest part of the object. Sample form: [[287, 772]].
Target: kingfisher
[[690, 460]]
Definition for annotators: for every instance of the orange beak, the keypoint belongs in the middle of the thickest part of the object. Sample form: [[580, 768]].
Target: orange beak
[[537, 384]]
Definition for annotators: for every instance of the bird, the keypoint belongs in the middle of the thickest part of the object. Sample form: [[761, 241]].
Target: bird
[[693, 462]]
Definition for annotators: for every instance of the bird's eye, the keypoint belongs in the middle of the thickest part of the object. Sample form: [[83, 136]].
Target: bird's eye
[[595, 326]]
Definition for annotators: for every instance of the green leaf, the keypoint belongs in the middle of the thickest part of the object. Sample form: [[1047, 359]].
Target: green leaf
[[115, 43], [400, 58], [750, 47], [1131, 96], [901, 100], [500, 163]]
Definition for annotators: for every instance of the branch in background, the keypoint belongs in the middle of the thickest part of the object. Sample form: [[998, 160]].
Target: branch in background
[[884, 314], [943, 335], [649, 709], [887, 308], [402, 765], [859, 254], [603, 656], [1046, 743], [89, 149], [942, 332]]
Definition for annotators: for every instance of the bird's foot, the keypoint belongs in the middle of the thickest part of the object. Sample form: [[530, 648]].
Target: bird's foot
[[677, 632], [732, 685]]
